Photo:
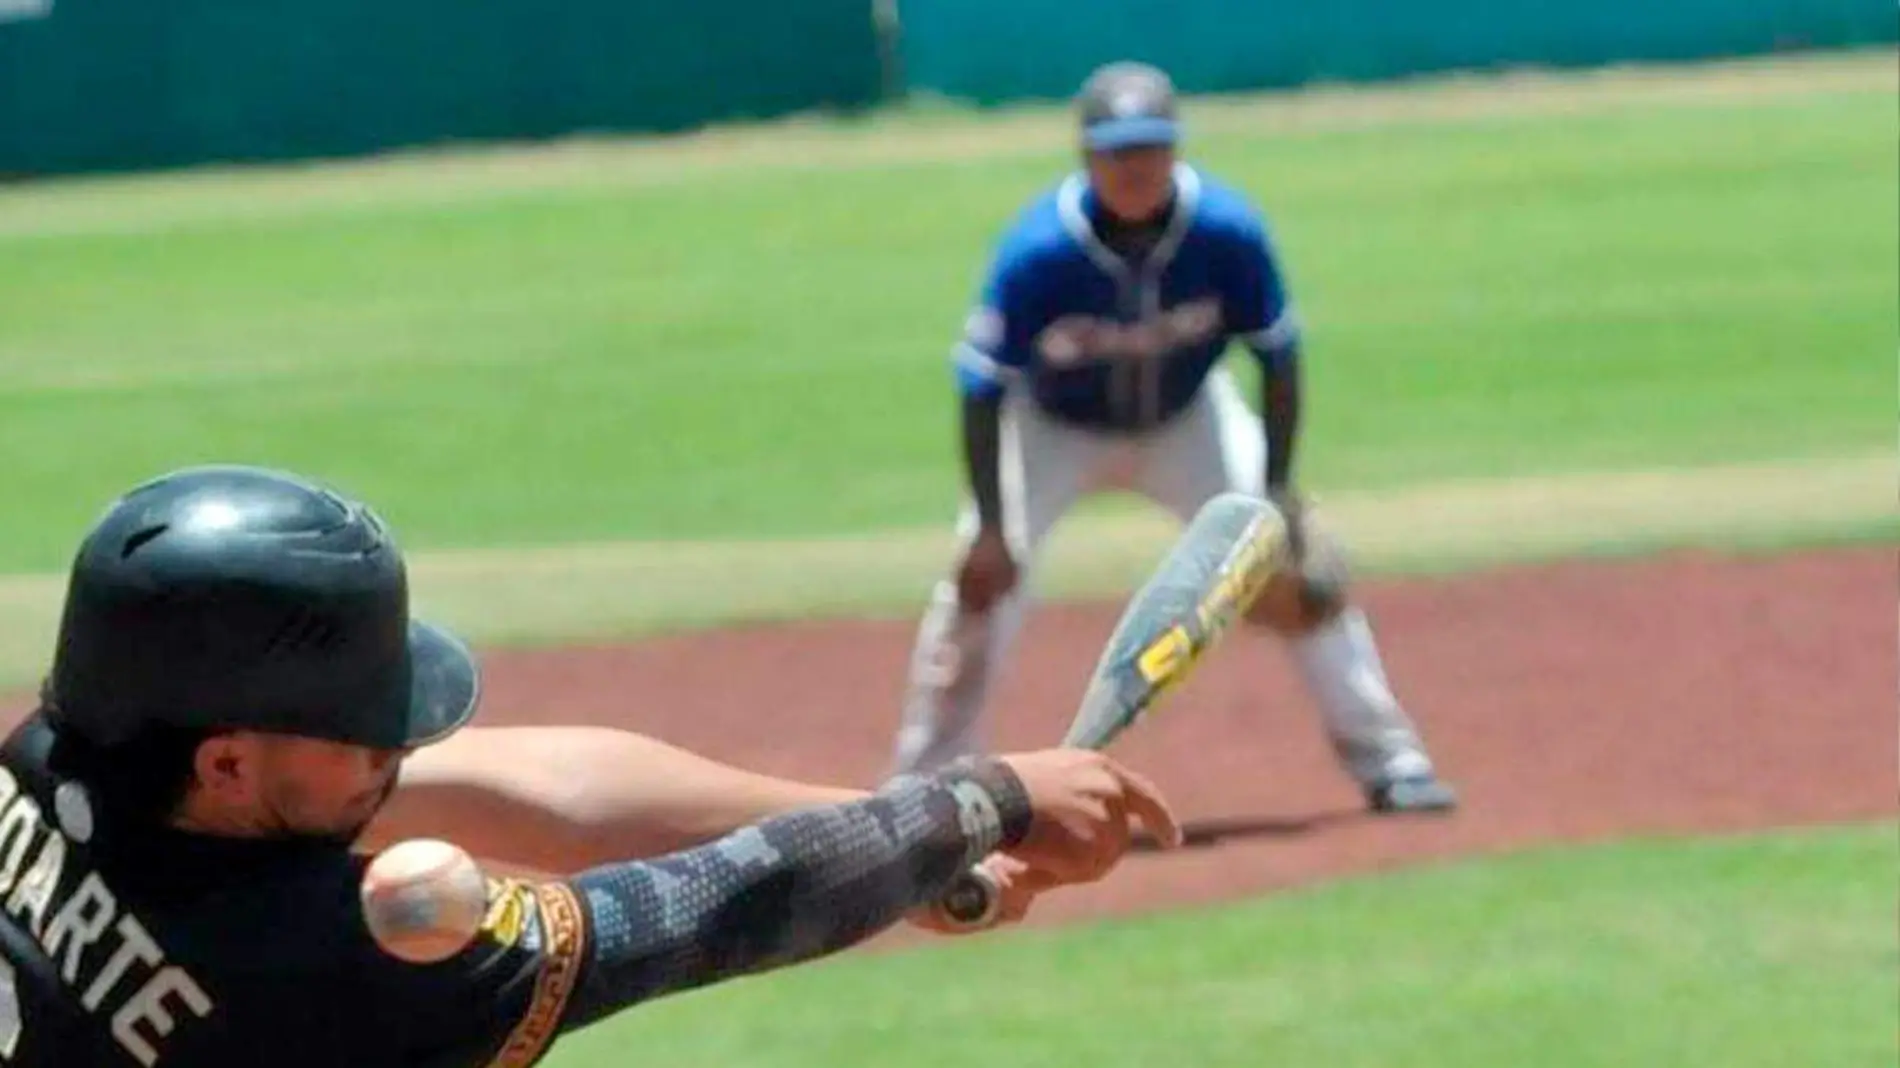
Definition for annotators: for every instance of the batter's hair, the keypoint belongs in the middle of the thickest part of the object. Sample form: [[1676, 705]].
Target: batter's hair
[[140, 781]]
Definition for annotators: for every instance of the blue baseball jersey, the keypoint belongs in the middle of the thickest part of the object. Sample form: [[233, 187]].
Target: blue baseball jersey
[[1117, 345]]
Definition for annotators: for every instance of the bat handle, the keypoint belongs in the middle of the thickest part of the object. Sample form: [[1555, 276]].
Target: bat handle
[[972, 902]]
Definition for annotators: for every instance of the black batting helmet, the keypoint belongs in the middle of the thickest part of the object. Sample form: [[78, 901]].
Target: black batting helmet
[[230, 597], [1127, 105]]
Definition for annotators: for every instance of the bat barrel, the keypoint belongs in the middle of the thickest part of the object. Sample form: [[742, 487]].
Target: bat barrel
[[1221, 560]]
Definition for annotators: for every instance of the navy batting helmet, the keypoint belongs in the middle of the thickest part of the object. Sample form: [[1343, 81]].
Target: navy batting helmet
[[1127, 105], [233, 597]]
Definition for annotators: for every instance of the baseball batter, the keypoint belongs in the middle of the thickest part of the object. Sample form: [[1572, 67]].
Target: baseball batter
[[1091, 364], [236, 690]]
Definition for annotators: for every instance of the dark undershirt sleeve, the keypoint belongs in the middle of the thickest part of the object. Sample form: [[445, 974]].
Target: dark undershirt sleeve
[[796, 887]]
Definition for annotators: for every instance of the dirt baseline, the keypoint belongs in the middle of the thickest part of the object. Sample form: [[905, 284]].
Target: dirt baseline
[[1584, 700]]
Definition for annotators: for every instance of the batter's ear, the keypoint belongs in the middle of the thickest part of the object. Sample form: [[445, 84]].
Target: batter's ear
[[225, 767]]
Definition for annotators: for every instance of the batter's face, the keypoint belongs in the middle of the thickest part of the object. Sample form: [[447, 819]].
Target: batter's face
[[1134, 184], [279, 785]]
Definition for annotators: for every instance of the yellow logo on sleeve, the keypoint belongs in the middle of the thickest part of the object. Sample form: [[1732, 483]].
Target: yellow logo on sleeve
[[508, 903]]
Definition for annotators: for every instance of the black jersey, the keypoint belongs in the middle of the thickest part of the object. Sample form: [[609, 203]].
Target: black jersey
[[155, 947]]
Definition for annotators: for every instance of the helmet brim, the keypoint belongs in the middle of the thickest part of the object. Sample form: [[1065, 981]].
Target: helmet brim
[[445, 684]]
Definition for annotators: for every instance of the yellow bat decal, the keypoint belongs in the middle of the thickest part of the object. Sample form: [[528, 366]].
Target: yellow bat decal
[[1165, 656]]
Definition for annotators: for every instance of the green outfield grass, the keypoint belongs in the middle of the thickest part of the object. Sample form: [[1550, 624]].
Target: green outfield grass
[[1761, 952], [1700, 271]]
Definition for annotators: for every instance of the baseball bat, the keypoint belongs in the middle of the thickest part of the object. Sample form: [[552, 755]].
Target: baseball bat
[[1214, 571]]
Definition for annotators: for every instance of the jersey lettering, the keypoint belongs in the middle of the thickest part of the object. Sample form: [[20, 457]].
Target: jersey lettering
[[104, 956], [147, 1008], [1074, 339]]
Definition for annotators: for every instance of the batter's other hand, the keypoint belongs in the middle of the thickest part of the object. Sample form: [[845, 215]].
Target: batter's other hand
[[987, 573], [1085, 805]]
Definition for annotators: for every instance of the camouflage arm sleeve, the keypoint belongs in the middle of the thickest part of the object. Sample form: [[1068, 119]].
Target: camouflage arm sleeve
[[796, 887]]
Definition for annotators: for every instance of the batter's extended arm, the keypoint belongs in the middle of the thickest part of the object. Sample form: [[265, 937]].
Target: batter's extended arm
[[798, 886], [558, 799]]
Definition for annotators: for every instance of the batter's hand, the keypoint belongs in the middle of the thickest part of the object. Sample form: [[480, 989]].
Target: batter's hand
[[987, 573], [1085, 805]]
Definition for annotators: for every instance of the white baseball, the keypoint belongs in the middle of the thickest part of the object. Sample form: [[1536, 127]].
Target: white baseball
[[424, 899]]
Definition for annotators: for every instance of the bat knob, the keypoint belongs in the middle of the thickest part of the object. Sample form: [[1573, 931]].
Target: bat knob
[[972, 901]]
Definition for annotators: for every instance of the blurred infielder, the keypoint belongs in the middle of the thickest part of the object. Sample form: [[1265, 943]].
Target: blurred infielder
[[1090, 364]]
